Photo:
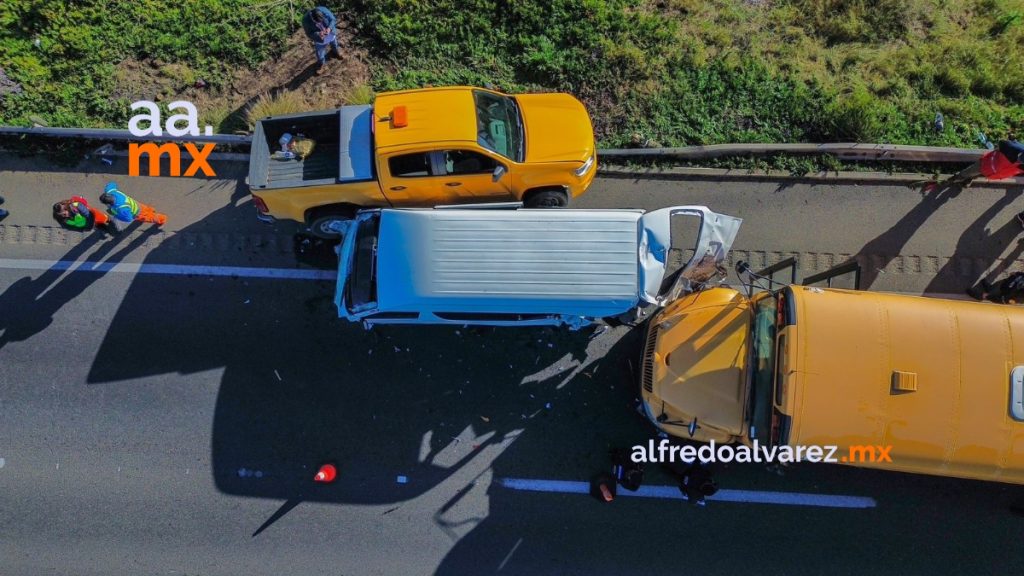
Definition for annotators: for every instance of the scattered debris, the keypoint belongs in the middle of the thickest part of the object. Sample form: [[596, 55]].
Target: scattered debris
[[485, 418], [402, 480], [278, 375]]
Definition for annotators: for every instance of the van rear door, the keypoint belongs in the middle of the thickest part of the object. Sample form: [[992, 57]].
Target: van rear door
[[714, 239], [356, 290]]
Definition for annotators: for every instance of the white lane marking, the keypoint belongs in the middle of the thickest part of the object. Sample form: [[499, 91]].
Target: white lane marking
[[510, 553], [673, 493], [167, 269]]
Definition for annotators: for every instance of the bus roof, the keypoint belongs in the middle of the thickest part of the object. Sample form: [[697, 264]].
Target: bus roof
[[930, 377]]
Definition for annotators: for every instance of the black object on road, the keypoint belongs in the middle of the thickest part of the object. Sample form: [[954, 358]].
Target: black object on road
[[629, 474], [314, 251], [1009, 290]]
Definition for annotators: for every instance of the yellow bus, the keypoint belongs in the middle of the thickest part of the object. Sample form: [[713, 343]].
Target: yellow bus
[[936, 386]]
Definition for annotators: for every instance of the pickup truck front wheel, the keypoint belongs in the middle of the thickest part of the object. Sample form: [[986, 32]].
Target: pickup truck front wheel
[[546, 198], [320, 222]]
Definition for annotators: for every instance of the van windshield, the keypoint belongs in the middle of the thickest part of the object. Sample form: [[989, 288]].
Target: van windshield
[[499, 125], [762, 368]]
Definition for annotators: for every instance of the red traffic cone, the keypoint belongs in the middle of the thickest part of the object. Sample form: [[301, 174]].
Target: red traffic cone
[[326, 474]]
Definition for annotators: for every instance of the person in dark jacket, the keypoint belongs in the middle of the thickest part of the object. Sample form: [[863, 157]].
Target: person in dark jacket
[[320, 27], [3, 213], [1009, 290]]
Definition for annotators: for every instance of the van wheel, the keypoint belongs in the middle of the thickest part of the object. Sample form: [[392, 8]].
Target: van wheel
[[549, 198], [321, 221]]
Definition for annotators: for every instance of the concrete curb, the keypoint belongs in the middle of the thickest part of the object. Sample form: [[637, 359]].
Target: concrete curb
[[783, 176]]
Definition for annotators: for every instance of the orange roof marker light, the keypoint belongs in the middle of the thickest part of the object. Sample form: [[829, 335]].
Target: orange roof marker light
[[399, 117]]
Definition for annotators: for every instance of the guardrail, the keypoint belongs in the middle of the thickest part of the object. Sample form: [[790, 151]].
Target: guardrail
[[841, 150], [122, 135]]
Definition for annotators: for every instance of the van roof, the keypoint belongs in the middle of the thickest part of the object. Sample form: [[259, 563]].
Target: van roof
[[433, 115], [523, 261], [957, 353]]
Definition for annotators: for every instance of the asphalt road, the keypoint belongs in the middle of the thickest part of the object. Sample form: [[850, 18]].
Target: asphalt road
[[171, 424]]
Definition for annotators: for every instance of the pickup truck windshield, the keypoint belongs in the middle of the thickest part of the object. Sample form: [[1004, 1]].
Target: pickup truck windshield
[[762, 368], [499, 125]]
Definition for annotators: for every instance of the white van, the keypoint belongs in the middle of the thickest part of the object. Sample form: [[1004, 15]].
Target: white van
[[518, 267]]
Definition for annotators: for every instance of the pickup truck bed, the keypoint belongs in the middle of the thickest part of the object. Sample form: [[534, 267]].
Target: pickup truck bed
[[343, 152]]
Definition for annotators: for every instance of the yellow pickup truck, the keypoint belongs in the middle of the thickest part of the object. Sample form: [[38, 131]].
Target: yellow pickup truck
[[454, 145]]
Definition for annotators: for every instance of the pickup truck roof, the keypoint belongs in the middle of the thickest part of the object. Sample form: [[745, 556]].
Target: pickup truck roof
[[433, 114]]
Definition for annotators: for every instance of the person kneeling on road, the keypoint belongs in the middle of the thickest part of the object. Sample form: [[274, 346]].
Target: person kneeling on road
[[76, 214], [127, 209]]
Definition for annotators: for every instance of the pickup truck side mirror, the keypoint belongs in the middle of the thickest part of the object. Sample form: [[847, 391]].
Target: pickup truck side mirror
[[499, 171]]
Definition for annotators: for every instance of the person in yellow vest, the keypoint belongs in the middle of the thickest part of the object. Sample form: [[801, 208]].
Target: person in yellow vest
[[127, 209]]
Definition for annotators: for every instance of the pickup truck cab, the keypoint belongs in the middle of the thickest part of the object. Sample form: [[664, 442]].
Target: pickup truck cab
[[501, 267], [421, 148]]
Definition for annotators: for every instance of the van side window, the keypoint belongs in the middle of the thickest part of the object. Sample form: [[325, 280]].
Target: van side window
[[468, 162], [410, 165]]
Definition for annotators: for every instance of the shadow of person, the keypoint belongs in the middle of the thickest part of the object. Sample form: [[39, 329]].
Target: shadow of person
[[400, 410], [976, 249], [879, 252], [538, 532], [30, 305], [535, 533], [290, 86]]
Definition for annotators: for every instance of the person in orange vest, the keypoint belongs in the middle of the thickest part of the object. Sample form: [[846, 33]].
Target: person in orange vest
[[127, 209]]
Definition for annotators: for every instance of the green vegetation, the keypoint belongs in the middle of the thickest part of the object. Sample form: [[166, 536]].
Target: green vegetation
[[266, 105], [709, 71], [71, 57], [664, 72]]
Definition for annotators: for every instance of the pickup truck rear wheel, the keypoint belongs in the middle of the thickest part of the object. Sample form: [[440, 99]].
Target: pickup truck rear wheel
[[547, 198], [320, 224]]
